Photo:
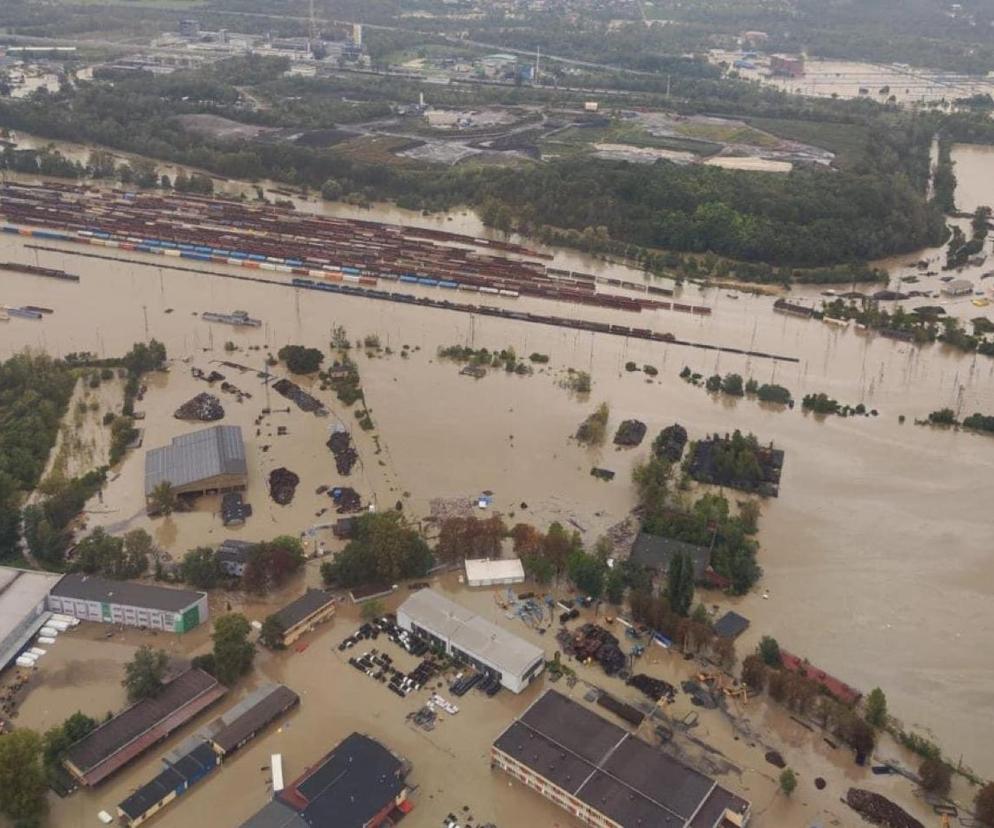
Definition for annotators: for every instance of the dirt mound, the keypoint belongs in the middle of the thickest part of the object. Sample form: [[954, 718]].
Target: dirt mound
[[346, 456], [879, 810], [282, 485], [204, 407], [630, 433], [775, 759]]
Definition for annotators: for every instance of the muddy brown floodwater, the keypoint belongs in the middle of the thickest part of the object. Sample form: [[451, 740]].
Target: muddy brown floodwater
[[877, 554]]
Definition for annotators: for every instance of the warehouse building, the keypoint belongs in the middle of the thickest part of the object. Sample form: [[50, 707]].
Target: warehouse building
[[130, 733], [175, 779], [312, 608], [360, 784], [466, 635], [91, 598], [605, 776], [656, 552], [492, 572], [23, 609], [203, 462], [249, 717]]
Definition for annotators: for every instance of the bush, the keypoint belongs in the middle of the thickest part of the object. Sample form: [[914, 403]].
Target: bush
[[650, 370], [301, 360], [769, 651], [631, 366], [732, 385], [936, 777], [713, 383], [788, 781]]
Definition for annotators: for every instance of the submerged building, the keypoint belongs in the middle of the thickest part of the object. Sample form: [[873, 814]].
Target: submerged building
[[23, 608], [176, 777], [312, 608], [208, 461], [466, 635], [91, 598], [605, 776], [360, 784]]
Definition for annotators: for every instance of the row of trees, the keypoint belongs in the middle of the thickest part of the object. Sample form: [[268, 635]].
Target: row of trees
[[269, 565]]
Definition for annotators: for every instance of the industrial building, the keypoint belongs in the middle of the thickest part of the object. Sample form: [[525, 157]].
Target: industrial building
[[466, 635], [202, 462], [91, 598], [787, 66], [233, 556], [605, 776], [249, 717], [655, 552], [310, 609], [23, 609], [130, 733], [958, 287], [174, 780], [360, 784], [489, 572]]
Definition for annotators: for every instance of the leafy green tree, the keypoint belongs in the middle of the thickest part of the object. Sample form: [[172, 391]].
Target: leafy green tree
[[200, 568], [143, 675], [301, 360], [58, 739], [163, 500], [754, 671], [614, 586], [385, 549], [769, 651], [538, 567], [652, 482], [270, 564], [233, 652], [788, 781], [372, 609], [22, 778], [680, 583], [587, 573], [272, 632], [876, 708], [558, 545], [732, 385]]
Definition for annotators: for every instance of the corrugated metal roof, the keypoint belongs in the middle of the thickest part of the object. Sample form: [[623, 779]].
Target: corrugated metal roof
[[197, 456], [259, 713], [486, 569]]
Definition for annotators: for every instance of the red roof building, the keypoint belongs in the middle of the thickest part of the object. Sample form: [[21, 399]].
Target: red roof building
[[839, 689]]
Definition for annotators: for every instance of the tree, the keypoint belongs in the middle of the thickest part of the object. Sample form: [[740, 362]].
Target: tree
[[272, 632], [331, 190], [233, 652], [652, 481], [936, 777], [587, 573], [538, 567], [138, 547], [754, 672], [301, 360], [769, 651], [144, 673], [200, 568], [723, 652], [558, 545], [58, 739], [614, 586], [788, 781], [372, 609], [469, 537], [385, 549], [984, 804], [22, 778], [876, 708], [271, 563], [680, 583], [162, 499]]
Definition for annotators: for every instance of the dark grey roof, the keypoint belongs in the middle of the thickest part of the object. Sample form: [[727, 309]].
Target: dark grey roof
[[191, 767], [349, 786], [196, 456], [656, 552], [628, 780], [731, 625], [235, 551], [275, 815], [306, 605], [256, 717], [94, 588]]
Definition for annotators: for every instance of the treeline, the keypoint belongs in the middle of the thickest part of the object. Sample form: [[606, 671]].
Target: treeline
[[975, 422]]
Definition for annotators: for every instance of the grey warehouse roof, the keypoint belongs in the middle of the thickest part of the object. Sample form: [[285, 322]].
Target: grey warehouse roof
[[470, 633], [82, 587], [21, 592], [304, 607], [199, 455]]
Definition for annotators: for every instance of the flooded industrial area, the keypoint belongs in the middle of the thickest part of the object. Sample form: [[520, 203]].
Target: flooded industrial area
[[877, 558]]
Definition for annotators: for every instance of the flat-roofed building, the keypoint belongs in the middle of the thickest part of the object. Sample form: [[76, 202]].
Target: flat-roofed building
[[494, 571], [174, 780], [91, 598], [207, 461], [123, 738], [250, 716], [605, 776], [312, 608], [23, 608], [466, 635]]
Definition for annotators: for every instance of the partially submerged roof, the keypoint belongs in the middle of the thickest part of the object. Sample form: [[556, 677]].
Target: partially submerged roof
[[305, 606], [842, 691], [614, 772], [251, 715], [731, 625], [656, 552], [275, 815], [494, 569], [188, 769], [119, 740], [199, 455], [349, 786], [471, 633], [236, 551], [21, 593], [82, 587]]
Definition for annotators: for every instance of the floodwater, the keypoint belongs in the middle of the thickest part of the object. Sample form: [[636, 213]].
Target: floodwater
[[877, 553], [974, 169]]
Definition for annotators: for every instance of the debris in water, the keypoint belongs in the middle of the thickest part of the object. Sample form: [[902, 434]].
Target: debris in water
[[204, 407], [630, 433], [879, 810], [282, 485]]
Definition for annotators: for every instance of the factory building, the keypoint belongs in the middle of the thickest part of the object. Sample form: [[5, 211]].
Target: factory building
[[208, 461], [466, 635], [605, 776], [360, 784], [91, 598], [23, 608], [130, 733]]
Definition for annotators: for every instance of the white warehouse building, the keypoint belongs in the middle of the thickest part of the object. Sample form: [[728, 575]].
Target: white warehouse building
[[491, 571], [466, 635]]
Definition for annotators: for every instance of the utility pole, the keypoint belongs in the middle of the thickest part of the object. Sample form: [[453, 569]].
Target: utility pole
[[538, 62]]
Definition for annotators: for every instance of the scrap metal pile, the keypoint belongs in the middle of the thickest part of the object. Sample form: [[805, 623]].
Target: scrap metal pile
[[654, 688], [593, 643], [293, 392], [204, 407], [345, 454], [282, 485], [879, 810]]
